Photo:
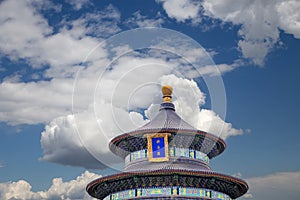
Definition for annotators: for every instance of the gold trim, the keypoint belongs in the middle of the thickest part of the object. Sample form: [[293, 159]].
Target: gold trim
[[150, 150]]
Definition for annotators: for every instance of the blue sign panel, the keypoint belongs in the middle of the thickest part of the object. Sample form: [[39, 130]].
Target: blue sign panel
[[158, 147]]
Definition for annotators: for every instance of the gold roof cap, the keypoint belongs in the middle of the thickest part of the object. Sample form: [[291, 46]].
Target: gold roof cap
[[167, 93]]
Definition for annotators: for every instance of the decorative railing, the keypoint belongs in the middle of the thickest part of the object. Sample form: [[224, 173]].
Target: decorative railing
[[168, 191], [173, 152]]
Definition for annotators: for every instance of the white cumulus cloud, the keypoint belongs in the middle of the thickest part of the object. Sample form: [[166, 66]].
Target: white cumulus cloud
[[188, 101], [69, 139], [21, 25], [182, 10], [25, 34], [260, 21], [289, 16], [278, 186], [70, 190]]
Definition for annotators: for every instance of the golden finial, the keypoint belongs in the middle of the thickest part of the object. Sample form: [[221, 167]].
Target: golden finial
[[167, 93]]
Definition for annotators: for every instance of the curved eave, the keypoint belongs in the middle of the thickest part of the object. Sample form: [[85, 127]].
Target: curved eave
[[102, 187], [208, 143]]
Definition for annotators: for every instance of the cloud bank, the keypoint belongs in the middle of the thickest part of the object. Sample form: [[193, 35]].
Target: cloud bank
[[91, 88], [284, 185], [259, 21], [70, 190]]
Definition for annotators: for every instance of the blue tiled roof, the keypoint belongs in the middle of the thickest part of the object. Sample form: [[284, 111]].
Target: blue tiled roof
[[166, 119]]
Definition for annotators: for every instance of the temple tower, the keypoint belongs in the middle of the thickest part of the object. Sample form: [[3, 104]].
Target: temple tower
[[167, 158]]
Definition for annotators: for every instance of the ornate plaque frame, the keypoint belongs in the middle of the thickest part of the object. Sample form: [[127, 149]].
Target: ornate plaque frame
[[150, 147]]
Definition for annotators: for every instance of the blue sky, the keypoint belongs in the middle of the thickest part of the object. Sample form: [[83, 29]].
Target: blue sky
[[74, 75]]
